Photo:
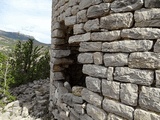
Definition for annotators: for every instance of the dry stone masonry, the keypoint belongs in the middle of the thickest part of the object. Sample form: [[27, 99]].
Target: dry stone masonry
[[105, 60]]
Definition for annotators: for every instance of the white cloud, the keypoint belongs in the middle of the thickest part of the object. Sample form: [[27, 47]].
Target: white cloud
[[31, 17]]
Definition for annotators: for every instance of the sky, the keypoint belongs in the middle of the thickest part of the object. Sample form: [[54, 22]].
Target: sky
[[30, 17]]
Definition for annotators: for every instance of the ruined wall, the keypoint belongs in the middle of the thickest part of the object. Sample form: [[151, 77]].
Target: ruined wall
[[105, 60]]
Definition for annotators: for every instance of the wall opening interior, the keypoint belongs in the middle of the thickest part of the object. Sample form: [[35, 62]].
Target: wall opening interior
[[74, 73]]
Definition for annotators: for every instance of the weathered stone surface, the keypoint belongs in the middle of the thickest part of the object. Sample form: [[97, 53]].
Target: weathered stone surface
[[57, 25], [80, 38], [98, 58], [70, 20], [82, 16], [129, 94], [57, 76], [98, 10], [75, 10], [95, 70], [152, 3], [105, 36], [157, 46], [76, 90], [142, 77], [58, 41], [127, 46], [60, 53], [140, 114], [144, 60], [67, 98], [118, 108], [126, 5], [141, 33], [96, 113], [110, 89], [85, 58], [93, 84], [78, 108], [85, 117], [68, 12], [78, 28], [114, 117], [157, 77], [90, 46], [117, 21], [110, 73], [77, 99], [147, 18], [91, 97], [115, 59], [108, 1], [86, 3], [91, 25], [57, 34], [58, 61], [149, 98]]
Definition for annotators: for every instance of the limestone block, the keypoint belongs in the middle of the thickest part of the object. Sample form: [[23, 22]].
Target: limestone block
[[96, 113], [118, 108], [98, 10], [75, 10], [85, 58], [140, 114], [95, 70], [67, 98], [141, 33], [127, 46], [129, 94], [105, 36], [141, 77], [58, 41], [57, 25], [91, 97], [152, 3], [157, 46], [86, 3], [72, 2], [98, 58], [79, 108], [77, 99], [70, 20], [157, 77], [115, 117], [82, 16], [90, 46], [126, 5], [115, 59], [68, 12], [110, 73], [76, 90], [147, 18], [110, 89], [91, 25], [80, 38], [59, 61], [117, 21], [60, 53], [93, 84], [78, 28], [149, 98], [57, 76], [144, 60], [85, 117], [57, 34]]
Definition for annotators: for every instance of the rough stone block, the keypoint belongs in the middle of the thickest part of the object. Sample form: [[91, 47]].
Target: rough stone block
[[85, 117], [57, 76], [117, 21], [95, 71], [78, 28], [79, 38], [149, 98], [91, 25], [105, 36], [60, 53], [157, 77], [147, 18], [82, 16], [115, 117], [110, 89], [69, 21], [79, 109], [140, 114], [98, 58], [86, 3], [90, 46], [126, 5], [98, 10], [75, 10], [59, 61], [57, 34], [144, 60], [85, 58], [110, 73], [152, 3], [68, 12], [91, 97], [93, 84], [118, 108], [141, 33], [157, 46], [96, 113], [115, 59], [141, 77], [76, 90], [129, 94], [58, 41], [127, 46]]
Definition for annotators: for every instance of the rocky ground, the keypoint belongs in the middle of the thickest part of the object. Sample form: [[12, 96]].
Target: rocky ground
[[31, 103]]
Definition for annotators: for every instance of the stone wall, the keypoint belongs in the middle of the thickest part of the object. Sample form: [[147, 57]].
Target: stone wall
[[117, 43]]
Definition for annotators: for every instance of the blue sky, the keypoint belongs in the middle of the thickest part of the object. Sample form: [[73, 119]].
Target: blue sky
[[31, 17]]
